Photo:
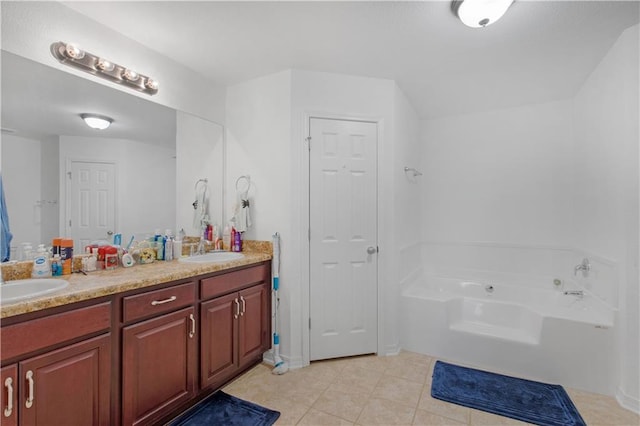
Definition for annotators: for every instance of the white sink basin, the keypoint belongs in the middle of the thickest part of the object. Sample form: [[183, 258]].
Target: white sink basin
[[213, 257], [12, 291]]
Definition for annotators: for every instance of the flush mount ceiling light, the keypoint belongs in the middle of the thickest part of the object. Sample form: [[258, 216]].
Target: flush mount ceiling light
[[72, 55], [480, 13], [97, 121]]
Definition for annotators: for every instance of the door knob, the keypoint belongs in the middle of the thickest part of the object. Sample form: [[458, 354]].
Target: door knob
[[371, 250]]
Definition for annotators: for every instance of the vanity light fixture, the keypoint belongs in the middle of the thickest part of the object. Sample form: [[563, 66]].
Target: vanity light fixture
[[96, 121], [480, 13], [72, 55]]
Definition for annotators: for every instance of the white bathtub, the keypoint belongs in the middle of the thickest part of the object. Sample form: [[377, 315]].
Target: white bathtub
[[526, 330]]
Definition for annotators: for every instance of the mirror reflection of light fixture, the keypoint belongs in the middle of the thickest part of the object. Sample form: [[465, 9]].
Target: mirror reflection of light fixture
[[480, 13], [96, 121], [70, 54]]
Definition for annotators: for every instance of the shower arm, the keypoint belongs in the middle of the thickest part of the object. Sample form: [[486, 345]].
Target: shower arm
[[413, 170]]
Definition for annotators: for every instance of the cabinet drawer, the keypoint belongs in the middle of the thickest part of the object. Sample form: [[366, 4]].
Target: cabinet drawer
[[157, 301], [40, 333], [225, 283]]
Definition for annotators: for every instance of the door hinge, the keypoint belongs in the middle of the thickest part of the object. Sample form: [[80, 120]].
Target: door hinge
[[308, 139]]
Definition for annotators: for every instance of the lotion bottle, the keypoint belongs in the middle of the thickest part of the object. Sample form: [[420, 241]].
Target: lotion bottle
[[41, 263]]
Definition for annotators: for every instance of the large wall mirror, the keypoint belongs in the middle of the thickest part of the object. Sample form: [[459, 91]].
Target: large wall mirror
[[62, 178]]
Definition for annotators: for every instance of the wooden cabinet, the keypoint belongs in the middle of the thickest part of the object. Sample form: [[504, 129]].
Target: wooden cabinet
[[134, 358], [235, 327], [159, 365], [69, 385]]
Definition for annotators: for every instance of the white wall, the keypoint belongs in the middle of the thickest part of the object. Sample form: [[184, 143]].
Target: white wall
[[266, 127], [22, 189], [29, 28], [199, 155], [606, 190], [501, 176], [145, 181]]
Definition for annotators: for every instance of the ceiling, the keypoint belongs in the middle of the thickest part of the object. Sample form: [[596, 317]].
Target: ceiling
[[539, 51]]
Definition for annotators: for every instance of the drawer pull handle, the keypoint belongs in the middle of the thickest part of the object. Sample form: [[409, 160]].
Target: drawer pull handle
[[237, 314], [193, 326], [9, 385], [244, 306], [162, 302], [29, 402]]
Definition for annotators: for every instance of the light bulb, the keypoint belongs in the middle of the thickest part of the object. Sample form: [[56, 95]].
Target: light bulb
[[104, 65], [151, 84], [130, 75], [73, 51]]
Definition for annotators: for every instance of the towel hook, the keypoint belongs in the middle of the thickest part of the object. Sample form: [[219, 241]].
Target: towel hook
[[205, 180], [245, 177]]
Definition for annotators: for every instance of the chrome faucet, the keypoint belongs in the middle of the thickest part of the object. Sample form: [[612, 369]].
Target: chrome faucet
[[201, 249], [585, 267], [578, 293]]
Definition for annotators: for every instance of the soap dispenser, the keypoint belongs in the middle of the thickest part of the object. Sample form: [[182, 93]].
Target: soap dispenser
[[41, 263]]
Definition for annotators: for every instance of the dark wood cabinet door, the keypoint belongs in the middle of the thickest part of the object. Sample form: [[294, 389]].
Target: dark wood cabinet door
[[9, 397], [158, 366], [68, 386], [218, 357], [252, 332]]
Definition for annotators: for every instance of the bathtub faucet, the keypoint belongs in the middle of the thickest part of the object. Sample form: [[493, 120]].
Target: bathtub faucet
[[578, 293], [585, 267]]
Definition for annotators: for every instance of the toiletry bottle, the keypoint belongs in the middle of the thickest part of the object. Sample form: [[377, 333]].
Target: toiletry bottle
[[56, 265], [232, 239], [168, 245], [158, 245], [41, 263], [66, 254], [238, 242]]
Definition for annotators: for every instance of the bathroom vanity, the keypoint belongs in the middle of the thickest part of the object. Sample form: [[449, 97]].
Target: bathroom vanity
[[138, 350]]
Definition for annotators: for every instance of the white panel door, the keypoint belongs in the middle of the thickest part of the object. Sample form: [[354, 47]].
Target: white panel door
[[343, 238], [91, 203]]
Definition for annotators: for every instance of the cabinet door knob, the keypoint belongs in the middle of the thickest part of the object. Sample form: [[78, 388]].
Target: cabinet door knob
[[193, 326], [9, 385], [29, 402], [244, 306]]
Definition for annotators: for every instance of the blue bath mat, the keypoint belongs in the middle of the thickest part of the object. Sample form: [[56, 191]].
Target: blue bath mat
[[532, 402], [223, 409]]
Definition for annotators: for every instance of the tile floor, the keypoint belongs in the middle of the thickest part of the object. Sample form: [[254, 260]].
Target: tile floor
[[395, 390]]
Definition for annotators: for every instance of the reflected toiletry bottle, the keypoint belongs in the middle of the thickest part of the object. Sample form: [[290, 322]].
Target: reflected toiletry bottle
[[66, 254], [41, 263], [226, 238], [168, 245]]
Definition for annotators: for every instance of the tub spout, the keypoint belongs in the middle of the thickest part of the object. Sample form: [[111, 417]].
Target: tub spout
[[585, 267], [578, 293]]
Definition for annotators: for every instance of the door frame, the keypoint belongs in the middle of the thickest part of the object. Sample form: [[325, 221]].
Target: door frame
[[65, 189], [305, 259]]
